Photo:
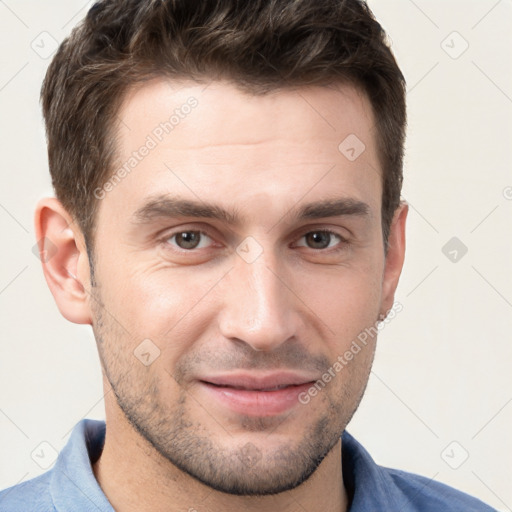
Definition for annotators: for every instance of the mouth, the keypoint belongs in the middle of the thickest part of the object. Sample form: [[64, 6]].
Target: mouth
[[257, 395], [275, 388]]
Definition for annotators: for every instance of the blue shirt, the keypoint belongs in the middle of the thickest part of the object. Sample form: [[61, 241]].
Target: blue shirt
[[71, 486]]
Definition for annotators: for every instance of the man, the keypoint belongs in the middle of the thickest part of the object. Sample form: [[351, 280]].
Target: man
[[228, 220]]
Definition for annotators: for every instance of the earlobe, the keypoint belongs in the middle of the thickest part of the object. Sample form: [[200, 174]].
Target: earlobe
[[64, 259], [394, 258]]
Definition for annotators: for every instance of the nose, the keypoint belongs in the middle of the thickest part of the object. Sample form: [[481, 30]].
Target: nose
[[259, 307]]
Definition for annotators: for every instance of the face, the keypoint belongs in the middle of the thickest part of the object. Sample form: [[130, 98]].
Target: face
[[237, 258]]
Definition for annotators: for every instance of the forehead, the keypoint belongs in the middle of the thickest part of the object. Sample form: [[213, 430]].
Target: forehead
[[218, 144]]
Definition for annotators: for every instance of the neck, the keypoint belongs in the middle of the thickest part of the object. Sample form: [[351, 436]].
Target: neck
[[135, 477]]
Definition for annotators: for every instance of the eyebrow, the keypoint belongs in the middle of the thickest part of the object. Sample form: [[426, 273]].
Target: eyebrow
[[164, 206]]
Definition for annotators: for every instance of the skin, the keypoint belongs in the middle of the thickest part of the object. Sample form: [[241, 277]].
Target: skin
[[297, 306]]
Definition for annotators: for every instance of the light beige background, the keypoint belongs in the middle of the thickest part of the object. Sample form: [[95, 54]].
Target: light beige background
[[441, 386]]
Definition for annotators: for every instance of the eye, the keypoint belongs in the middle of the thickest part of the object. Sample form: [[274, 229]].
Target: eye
[[322, 239], [188, 240]]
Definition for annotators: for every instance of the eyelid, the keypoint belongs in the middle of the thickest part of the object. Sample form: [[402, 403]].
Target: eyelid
[[323, 229], [344, 240]]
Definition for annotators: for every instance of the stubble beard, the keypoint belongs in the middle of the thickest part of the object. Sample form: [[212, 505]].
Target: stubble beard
[[228, 465]]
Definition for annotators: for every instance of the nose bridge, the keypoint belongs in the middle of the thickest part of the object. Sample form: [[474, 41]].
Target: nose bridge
[[258, 306]]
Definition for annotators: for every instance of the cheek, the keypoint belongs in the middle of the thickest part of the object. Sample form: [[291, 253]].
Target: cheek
[[169, 306], [347, 300]]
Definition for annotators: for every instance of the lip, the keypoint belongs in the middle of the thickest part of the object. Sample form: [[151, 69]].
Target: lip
[[257, 395]]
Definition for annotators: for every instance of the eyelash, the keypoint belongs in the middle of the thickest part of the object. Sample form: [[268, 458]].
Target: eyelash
[[343, 243]]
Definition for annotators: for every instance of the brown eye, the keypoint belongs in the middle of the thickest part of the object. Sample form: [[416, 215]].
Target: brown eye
[[321, 239], [188, 240]]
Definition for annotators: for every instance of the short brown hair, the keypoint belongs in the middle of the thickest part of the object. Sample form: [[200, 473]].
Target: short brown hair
[[259, 45]]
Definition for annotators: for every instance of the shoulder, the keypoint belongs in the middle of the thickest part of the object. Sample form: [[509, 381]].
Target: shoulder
[[427, 495], [70, 483], [375, 487], [30, 496]]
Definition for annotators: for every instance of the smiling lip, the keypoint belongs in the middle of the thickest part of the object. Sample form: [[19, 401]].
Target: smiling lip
[[257, 395]]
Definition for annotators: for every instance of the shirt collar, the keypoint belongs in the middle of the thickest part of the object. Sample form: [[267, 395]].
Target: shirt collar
[[368, 485], [73, 485]]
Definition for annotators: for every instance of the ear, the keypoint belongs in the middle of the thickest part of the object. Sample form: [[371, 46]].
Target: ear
[[64, 258], [394, 257]]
